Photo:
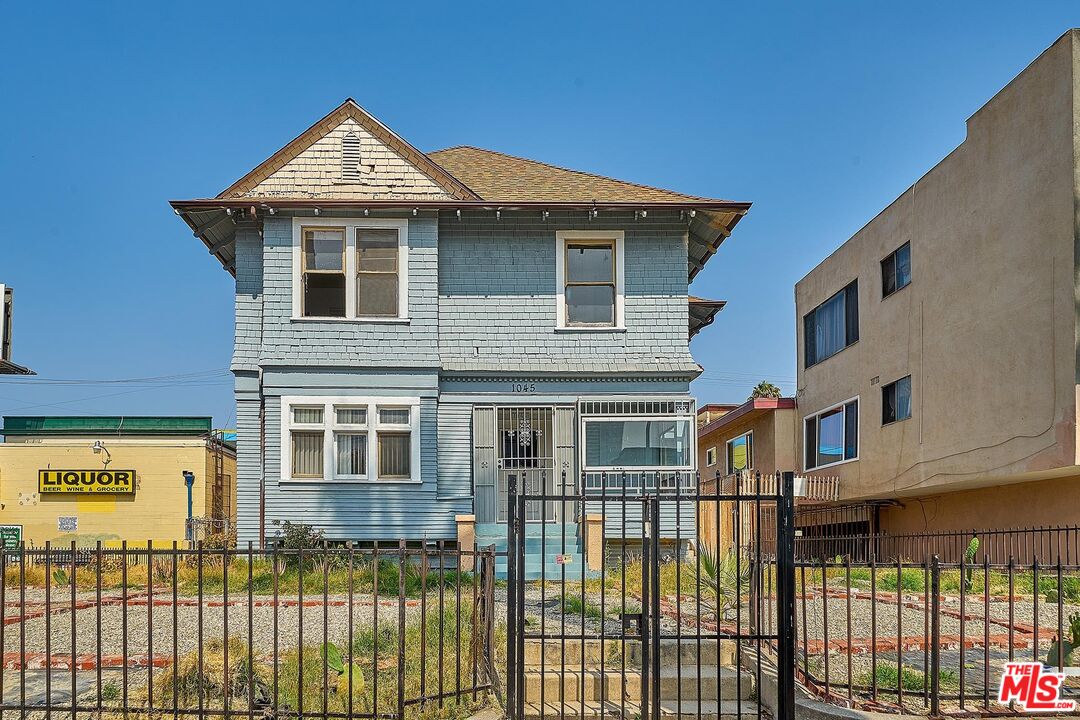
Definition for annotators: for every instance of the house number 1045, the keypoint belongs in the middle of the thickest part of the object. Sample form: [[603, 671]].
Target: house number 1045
[[523, 387]]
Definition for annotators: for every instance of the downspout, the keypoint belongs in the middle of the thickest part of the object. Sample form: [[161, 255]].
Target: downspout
[[262, 463]]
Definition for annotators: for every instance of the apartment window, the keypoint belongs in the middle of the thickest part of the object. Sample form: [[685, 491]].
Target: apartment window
[[832, 325], [351, 269], [896, 401], [324, 272], [351, 439], [740, 453], [832, 435], [710, 457], [590, 279], [377, 259], [896, 270]]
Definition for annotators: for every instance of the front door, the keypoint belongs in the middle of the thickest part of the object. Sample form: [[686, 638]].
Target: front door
[[525, 447]]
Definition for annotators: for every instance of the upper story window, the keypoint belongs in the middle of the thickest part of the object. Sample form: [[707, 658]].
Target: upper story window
[[350, 269], [589, 273], [896, 401], [832, 435], [350, 439], [832, 325], [323, 272], [740, 453], [896, 270], [377, 265]]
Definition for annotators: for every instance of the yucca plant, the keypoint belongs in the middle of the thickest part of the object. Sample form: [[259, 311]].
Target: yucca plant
[[722, 580]]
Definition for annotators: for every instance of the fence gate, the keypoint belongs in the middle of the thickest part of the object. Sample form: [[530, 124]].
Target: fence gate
[[620, 609]]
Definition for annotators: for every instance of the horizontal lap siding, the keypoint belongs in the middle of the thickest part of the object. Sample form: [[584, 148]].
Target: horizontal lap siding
[[497, 295], [363, 511], [455, 450], [248, 471]]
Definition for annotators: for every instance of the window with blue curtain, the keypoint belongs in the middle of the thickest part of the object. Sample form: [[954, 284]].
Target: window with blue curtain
[[831, 326]]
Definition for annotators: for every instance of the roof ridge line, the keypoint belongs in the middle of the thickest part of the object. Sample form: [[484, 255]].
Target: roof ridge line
[[572, 170]]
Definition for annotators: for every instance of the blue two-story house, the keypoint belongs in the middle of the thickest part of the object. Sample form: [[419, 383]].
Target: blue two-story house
[[413, 330]]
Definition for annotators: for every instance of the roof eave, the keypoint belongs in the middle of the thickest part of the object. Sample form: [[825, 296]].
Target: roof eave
[[9, 368]]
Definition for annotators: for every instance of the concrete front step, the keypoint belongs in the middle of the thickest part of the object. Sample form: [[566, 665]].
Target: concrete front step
[[723, 710], [708, 683], [671, 651]]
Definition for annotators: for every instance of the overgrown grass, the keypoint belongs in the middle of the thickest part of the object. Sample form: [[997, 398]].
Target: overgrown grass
[[572, 605], [315, 575], [889, 678], [306, 679]]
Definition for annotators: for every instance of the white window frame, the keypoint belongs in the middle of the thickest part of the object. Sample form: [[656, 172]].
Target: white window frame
[[710, 452], [351, 225], [749, 435], [331, 428], [562, 237], [691, 453], [858, 430]]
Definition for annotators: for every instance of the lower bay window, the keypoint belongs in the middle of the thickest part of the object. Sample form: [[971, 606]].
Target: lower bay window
[[350, 439]]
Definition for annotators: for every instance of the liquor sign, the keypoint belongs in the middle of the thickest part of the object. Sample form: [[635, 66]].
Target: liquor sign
[[10, 537], [86, 481]]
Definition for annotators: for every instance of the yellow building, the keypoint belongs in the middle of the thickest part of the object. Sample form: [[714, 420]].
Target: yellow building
[[113, 479]]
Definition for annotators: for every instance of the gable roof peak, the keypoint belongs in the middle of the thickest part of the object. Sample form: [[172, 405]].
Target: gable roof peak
[[349, 109]]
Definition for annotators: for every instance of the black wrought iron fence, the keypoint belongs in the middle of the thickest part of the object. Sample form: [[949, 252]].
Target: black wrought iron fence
[[391, 630], [1023, 545], [932, 636]]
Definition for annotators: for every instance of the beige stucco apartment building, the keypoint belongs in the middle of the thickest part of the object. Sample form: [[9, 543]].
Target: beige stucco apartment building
[[938, 347]]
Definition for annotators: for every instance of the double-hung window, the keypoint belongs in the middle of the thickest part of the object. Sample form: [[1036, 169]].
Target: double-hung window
[[395, 442], [359, 439], [896, 270], [350, 269], [740, 453], [832, 325], [832, 435], [589, 273], [896, 400]]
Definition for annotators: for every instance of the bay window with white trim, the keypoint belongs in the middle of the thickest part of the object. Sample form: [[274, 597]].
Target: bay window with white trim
[[350, 269], [350, 439]]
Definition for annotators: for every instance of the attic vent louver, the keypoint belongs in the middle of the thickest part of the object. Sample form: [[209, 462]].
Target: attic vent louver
[[350, 158]]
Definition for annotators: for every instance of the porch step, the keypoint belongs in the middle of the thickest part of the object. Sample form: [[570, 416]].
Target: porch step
[[673, 652], [710, 710], [543, 543], [708, 682], [532, 529]]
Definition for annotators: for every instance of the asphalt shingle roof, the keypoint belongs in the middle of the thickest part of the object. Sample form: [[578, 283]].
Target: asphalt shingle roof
[[500, 177]]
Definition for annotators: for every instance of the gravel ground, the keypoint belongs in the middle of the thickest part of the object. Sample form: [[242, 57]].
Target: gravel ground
[[187, 624]]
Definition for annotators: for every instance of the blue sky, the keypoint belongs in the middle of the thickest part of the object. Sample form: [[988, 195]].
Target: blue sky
[[819, 113]]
